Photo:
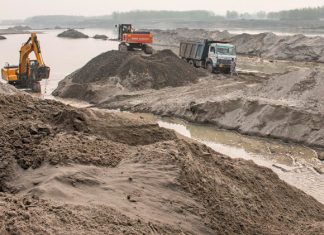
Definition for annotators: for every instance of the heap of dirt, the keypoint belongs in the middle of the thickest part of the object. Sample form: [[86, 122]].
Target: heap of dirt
[[86, 171], [301, 88], [99, 36], [7, 89], [271, 46], [72, 33], [127, 71], [267, 45]]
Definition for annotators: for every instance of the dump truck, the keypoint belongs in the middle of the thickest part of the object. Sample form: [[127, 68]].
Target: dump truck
[[28, 73], [130, 39], [211, 55]]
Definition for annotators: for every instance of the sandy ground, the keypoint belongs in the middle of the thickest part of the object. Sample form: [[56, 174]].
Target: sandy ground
[[81, 171]]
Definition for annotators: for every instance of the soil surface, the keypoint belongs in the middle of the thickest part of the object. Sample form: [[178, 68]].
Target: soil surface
[[84, 171], [72, 33], [267, 45]]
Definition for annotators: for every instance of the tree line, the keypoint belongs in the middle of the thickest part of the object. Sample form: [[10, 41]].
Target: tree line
[[296, 14]]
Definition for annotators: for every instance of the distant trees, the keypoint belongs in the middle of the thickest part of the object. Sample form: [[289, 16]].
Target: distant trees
[[162, 15], [296, 14], [299, 14], [232, 15]]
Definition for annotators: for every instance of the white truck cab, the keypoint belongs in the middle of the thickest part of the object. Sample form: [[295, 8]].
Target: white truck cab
[[221, 55]]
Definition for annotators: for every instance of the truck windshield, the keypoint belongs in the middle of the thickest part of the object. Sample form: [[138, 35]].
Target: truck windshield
[[226, 50]]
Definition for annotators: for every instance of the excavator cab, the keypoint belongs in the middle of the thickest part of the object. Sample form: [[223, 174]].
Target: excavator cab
[[123, 29]]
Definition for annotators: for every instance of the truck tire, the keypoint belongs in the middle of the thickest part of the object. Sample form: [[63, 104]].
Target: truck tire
[[227, 71], [122, 47], [210, 67], [36, 87], [148, 49]]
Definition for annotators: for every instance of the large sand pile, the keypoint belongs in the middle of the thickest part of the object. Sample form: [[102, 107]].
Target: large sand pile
[[269, 45], [7, 90], [79, 171], [126, 71]]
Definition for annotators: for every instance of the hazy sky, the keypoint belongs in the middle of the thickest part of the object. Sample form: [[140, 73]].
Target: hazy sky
[[19, 9]]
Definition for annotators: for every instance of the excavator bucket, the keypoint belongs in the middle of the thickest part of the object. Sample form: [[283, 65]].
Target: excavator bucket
[[43, 72]]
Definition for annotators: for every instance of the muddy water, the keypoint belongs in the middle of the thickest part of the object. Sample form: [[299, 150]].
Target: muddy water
[[63, 55], [293, 163]]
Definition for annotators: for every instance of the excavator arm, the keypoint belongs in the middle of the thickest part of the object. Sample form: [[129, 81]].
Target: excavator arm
[[32, 45]]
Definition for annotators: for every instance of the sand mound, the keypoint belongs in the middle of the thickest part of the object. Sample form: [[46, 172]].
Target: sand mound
[[137, 72], [72, 33], [127, 71], [86, 171], [7, 89], [99, 36], [269, 45], [302, 88]]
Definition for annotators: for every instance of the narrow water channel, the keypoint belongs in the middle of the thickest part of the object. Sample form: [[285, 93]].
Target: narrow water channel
[[293, 163]]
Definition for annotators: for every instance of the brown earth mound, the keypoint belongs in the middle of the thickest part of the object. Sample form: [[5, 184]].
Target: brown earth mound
[[85, 171], [72, 33], [127, 71], [99, 36], [7, 89]]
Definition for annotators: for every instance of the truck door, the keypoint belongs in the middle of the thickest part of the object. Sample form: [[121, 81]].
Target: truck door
[[212, 55]]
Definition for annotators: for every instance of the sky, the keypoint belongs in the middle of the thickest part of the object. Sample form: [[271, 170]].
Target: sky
[[20, 9]]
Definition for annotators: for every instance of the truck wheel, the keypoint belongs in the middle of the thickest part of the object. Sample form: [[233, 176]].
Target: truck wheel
[[210, 68], [122, 47], [148, 50], [36, 87]]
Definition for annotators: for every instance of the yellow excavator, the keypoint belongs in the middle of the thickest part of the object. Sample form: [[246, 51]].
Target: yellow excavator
[[29, 72]]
